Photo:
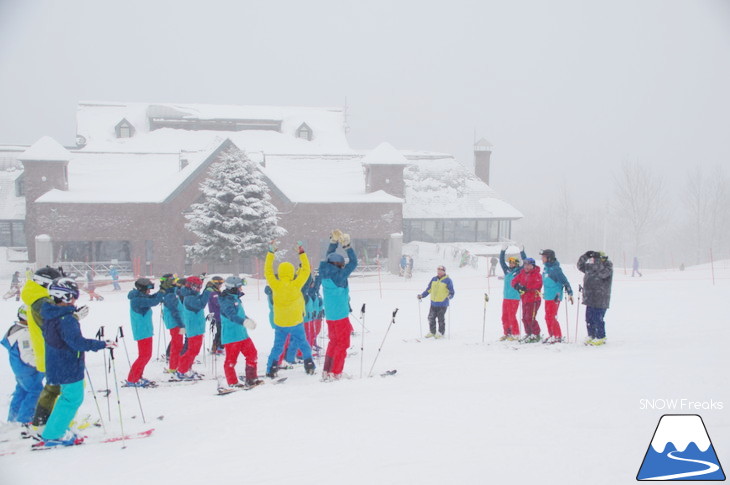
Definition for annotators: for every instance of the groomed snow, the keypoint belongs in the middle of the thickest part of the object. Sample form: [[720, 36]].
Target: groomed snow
[[458, 410]]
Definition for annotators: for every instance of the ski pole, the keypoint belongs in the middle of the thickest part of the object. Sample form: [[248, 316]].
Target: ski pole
[[136, 389], [577, 312], [100, 336], [96, 401], [567, 320], [392, 321], [119, 402], [160, 332], [420, 326], [484, 316], [362, 338]]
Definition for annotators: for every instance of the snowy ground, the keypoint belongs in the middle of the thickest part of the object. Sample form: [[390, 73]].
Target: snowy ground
[[458, 410]]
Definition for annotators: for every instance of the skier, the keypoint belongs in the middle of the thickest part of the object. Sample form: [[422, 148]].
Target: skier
[[34, 295], [529, 283], [441, 289], [635, 268], [114, 273], [14, 290], [554, 281], [493, 266], [403, 264], [140, 313], [65, 348], [172, 318], [288, 306], [214, 309], [28, 381], [234, 327], [409, 267], [194, 320], [315, 310], [91, 286], [597, 280], [511, 298], [336, 292]]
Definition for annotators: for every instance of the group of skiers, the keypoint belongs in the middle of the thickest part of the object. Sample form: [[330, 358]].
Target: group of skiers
[[526, 285]]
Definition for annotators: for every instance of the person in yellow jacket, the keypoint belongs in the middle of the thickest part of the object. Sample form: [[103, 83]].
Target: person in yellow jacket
[[441, 289], [34, 294], [288, 308]]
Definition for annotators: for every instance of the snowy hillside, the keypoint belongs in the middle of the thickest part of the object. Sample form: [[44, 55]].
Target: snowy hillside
[[458, 411]]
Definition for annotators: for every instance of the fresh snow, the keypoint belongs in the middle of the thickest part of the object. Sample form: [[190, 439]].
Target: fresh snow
[[46, 149], [457, 411]]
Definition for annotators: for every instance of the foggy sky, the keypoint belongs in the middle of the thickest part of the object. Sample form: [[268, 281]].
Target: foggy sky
[[564, 90]]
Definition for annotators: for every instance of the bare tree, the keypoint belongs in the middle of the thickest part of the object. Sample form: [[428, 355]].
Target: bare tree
[[640, 202], [706, 200]]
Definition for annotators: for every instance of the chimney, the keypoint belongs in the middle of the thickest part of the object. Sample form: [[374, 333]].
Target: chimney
[[384, 170], [482, 154]]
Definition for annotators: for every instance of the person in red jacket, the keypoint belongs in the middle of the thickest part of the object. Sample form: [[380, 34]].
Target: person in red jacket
[[529, 283]]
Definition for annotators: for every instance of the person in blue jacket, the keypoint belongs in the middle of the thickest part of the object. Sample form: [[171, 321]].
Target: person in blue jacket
[[194, 319], [140, 314], [214, 312], [511, 297], [114, 273], [441, 289], [334, 273], [234, 334], [553, 282], [65, 348], [28, 380], [172, 317]]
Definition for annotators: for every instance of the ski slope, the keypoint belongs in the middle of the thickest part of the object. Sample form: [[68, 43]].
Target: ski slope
[[459, 410]]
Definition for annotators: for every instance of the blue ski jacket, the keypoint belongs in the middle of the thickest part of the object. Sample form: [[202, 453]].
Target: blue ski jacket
[[171, 316], [553, 282], [140, 312], [335, 288], [509, 274], [194, 312], [232, 318]]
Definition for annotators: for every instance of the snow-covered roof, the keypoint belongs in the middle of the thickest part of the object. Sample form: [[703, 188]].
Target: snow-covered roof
[[320, 180], [96, 122], [441, 188], [385, 154], [127, 178], [46, 150], [11, 206]]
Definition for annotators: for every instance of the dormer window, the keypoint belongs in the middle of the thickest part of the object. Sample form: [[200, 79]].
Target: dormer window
[[304, 132], [20, 186], [124, 129]]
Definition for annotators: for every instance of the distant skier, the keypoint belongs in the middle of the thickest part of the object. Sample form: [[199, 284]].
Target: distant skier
[[529, 283], [554, 281], [140, 314], [14, 290], [441, 289], [493, 266], [91, 286], [336, 293], [597, 281], [635, 268], [28, 380], [114, 273], [511, 297]]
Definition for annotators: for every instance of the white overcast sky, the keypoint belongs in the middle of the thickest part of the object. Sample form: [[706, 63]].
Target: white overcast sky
[[564, 90]]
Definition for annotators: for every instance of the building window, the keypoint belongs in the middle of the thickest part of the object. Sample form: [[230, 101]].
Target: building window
[[20, 186], [304, 132], [12, 234], [124, 132], [124, 129]]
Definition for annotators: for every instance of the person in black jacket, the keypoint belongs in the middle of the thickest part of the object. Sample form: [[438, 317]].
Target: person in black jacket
[[597, 280]]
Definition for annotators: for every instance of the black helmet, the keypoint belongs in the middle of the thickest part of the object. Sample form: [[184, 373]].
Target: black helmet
[[548, 253], [144, 284], [45, 276], [63, 290], [23, 313]]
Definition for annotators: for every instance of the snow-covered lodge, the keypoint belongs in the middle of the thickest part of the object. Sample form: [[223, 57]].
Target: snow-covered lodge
[[122, 192]]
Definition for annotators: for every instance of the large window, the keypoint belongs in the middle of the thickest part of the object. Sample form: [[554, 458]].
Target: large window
[[12, 233], [455, 230]]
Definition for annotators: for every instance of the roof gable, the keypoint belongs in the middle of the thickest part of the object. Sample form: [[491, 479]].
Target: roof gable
[[45, 150]]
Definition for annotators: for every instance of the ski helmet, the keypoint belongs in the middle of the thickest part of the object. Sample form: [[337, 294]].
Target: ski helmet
[[233, 282], [548, 253], [64, 290], [144, 284], [513, 259], [217, 281], [530, 261], [194, 282], [23, 313], [181, 281], [166, 277], [335, 258], [45, 276]]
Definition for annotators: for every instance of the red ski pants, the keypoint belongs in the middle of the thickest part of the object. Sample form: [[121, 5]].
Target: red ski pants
[[187, 359], [247, 348], [176, 345], [339, 333], [509, 317], [144, 354], [551, 318], [529, 317], [311, 330]]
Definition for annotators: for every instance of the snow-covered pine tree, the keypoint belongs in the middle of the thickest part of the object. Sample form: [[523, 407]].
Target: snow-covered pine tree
[[236, 217]]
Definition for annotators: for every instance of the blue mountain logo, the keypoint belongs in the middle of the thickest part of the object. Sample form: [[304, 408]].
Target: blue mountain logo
[[681, 450]]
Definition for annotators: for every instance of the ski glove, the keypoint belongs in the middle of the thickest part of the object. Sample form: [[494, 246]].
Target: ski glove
[[335, 236], [570, 299], [249, 323], [182, 331], [419, 296], [110, 344], [345, 241], [521, 288], [300, 248], [82, 312]]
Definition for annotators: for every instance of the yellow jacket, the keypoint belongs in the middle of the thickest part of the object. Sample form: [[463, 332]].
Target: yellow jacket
[[287, 290], [31, 293]]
